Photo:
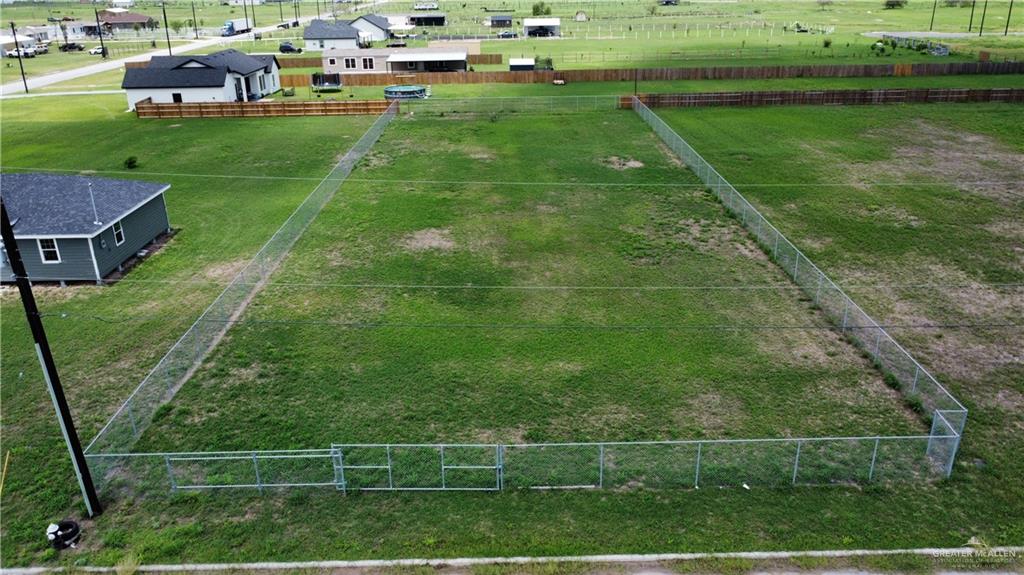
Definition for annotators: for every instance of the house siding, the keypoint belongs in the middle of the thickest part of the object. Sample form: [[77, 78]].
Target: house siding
[[331, 44], [376, 34], [75, 261], [140, 227]]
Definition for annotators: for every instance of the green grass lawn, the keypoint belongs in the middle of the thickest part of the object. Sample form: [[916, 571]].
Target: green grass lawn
[[511, 364], [861, 233], [221, 222]]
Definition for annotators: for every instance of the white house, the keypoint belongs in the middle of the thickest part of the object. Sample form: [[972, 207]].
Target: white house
[[372, 27], [395, 60], [324, 35], [122, 3], [225, 76], [542, 26]]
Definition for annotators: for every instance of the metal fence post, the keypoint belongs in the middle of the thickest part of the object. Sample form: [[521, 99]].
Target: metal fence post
[[917, 373], [443, 478], [600, 465], [391, 481], [170, 474], [796, 269], [846, 314], [796, 461], [817, 291], [696, 476], [131, 418], [874, 457]]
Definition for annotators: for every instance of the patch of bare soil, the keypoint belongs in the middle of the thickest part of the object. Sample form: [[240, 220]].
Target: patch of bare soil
[[617, 163], [712, 412], [973, 163], [225, 271], [429, 239], [672, 157]]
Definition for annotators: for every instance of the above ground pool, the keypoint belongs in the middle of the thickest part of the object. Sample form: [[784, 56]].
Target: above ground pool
[[405, 92]]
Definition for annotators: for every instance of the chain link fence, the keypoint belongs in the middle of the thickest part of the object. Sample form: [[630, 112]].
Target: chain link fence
[[507, 105], [131, 419], [921, 390], [498, 467], [553, 466]]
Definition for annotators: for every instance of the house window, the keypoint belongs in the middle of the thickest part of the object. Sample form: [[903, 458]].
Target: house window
[[367, 63], [176, 97], [350, 63], [118, 233], [332, 61], [321, 43], [48, 251], [410, 65], [263, 84]]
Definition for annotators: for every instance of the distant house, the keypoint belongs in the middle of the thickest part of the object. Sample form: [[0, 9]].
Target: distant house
[[581, 16], [122, 3], [428, 19], [225, 76], [395, 60], [668, 2], [118, 19], [542, 27], [501, 21], [324, 35], [372, 27], [78, 228]]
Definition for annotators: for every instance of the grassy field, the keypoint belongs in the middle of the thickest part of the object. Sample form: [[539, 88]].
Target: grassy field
[[869, 236], [523, 359], [220, 222]]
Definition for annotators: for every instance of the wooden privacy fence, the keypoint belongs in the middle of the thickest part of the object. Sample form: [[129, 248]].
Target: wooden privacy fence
[[827, 97], [484, 59], [147, 109], [647, 74], [300, 62]]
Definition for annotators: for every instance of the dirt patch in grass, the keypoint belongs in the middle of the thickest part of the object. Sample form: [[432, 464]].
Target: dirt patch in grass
[[429, 239], [617, 163], [712, 413], [672, 157], [973, 163], [224, 271]]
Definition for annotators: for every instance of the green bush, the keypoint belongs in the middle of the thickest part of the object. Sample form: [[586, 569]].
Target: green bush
[[131, 162]]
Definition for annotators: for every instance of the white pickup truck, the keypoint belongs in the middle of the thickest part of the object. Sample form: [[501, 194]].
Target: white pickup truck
[[25, 52]]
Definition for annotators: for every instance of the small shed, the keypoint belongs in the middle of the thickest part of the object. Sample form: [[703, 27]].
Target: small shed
[[78, 228], [521, 64], [581, 16], [428, 19], [501, 21], [542, 27]]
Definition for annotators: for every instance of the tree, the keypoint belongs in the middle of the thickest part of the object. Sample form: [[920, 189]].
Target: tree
[[823, 4], [541, 9], [890, 4], [177, 25]]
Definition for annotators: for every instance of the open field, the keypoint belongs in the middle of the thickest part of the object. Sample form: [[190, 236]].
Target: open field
[[523, 358], [56, 61]]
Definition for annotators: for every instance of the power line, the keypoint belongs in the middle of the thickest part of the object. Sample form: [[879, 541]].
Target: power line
[[558, 327]]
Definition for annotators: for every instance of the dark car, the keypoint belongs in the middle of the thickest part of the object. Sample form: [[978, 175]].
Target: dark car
[[507, 34], [72, 47], [288, 48], [284, 26], [541, 33]]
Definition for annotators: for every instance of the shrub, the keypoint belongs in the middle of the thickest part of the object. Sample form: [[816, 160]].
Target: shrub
[[826, 43], [131, 162]]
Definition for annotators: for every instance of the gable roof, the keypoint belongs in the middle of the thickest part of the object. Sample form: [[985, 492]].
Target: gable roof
[[323, 30], [195, 71], [125, 18], [173, 78], [43, 204], [377, 20], [501, 18]]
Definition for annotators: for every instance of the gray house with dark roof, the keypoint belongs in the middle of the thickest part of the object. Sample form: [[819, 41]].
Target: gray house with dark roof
[[225, 76], [78, 228], [322, 35]]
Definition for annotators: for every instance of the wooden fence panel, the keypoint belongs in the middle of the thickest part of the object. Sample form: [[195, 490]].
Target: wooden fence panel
[[261, 109], [646, 74], [828, 97]]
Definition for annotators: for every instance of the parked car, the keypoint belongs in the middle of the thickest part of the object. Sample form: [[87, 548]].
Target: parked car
[[507, 34], [98, 51], [25, 53], [42, 48], [284, 26], [288, 48], [540, 33], [71, 47]]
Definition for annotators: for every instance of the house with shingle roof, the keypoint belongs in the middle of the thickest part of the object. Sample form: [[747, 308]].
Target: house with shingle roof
[[80, 228], [322, 35], [225, 76], [372, 27]]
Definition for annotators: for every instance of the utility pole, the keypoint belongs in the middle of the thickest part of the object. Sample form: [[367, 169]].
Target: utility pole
[[970, 25], [1008, 14], [280, 9], [317, 9], [935, 5], [60, 404], [252, 8], [245, 14], [984, 11], [195, 23], [99, 32], [21, 64], [167, 28]]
